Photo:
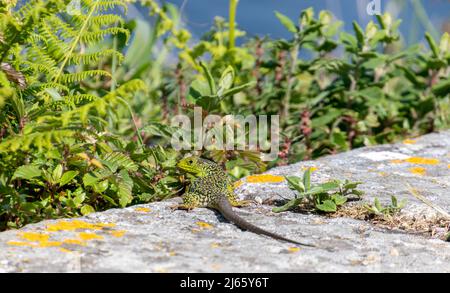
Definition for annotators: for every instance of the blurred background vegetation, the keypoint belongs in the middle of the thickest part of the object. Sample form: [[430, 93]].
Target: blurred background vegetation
[[87, 94]]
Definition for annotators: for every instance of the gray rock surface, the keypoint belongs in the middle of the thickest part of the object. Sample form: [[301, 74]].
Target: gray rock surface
[[153, 238]]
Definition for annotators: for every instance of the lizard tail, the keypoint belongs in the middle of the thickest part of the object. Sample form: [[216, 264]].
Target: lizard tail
[[225, 208]]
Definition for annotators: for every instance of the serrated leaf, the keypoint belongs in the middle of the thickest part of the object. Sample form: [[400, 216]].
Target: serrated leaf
[[89, 179], [67, 177], [27, 172]]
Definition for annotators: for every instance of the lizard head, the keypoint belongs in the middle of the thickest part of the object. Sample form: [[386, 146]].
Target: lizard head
[[195, 165]]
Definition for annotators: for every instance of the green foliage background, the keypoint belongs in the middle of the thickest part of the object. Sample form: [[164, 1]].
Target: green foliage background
[[86, 99]]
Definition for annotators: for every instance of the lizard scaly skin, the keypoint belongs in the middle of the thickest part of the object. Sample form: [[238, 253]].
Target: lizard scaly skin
[[213, 188]]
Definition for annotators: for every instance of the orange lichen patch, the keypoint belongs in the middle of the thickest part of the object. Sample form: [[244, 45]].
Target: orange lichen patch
[[293, 249], [409, 141], [143, 210], [118, 233], [417, 160], [20, 243], [422, 161], [76, 225], [448, 166], [49, 243], [74, 242], [418, 170], [34, 236], [65, 250], [204, 225], [89, 236], [238, 183], [265, 178]]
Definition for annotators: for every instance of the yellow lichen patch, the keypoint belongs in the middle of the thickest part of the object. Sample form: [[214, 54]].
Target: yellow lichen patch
[[49, 243], [448, 166], [265, 178], [418, 170], [118, 233], [65, 250], [20, 243], [172, 253], [89, 236], [238, 183], [382, 174], [215, 245], [104, 225], [293, 249], [34, 236], [74, 242], [143, 210], [76, 225], [304, 168], [422, 161], [397, 161], [204, 225], [409, 141]]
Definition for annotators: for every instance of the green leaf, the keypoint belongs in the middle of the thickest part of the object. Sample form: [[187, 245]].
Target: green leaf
[[291, 204], [294, 183], [238, 89], [67, 177], [433, 46], [339, 199], [226, 81], [89, 179], [87, 209], [27, 172], [101, 186], [209, 78], [359, 33], [286, 22], [57, 173], [307, 179], [327, 206], [125, 186]]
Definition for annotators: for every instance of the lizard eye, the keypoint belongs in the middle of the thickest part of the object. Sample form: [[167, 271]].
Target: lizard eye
[[190, 161]]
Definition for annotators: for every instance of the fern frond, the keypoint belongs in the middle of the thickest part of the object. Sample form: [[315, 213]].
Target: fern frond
[[80, 76], [91, 58], [41, 140], [104, 5], [93, 37]]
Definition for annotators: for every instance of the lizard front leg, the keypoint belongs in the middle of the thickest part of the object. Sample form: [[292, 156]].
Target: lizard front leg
[[237, 203], [190, 202]]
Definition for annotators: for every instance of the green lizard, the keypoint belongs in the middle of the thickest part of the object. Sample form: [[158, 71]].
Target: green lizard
[[213, 188]]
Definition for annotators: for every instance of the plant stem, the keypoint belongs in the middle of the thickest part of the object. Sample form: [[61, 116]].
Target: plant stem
[[232, 20], [75, 42], [114, 65], [138, 134], [422, 16], [290, 82]]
